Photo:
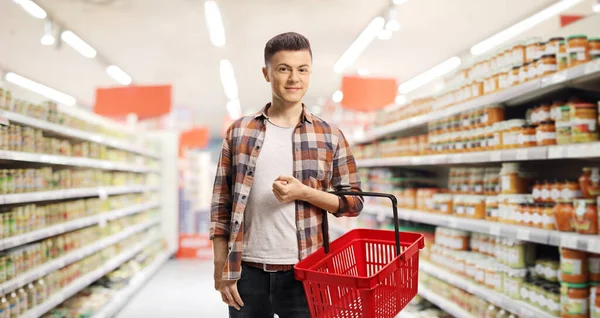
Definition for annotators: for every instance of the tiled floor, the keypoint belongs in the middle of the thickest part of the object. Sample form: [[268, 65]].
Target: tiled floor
[[181, 289]]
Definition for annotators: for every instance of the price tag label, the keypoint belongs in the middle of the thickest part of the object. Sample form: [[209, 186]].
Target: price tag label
[[593, 246], [495, 230], [452, 223], [496, 156], [522, 154], [523, 234], [568, 241], [102, 223], [592, 67]]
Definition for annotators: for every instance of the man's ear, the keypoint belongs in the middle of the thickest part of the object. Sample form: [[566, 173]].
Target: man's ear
[[266, 74]]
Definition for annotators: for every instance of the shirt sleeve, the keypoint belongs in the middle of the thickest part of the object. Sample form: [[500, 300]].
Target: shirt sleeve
[[221, 204], [346, 178]]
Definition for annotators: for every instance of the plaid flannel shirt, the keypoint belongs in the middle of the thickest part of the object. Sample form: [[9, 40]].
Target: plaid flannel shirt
[[322, 160]]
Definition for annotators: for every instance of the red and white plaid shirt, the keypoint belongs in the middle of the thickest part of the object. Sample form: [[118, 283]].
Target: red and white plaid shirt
[[322, 160]]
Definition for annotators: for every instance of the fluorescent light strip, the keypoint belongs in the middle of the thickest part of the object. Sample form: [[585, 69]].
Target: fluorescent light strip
[[214, 22], [43, 90], [428, 76], [78, 44], [596, 6], [522, 26], [118, 75], [32, 8], [234, 108], [228, 80], [360, 44]]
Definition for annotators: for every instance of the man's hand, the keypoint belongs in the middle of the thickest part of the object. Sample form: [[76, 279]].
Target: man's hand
[[288, 189], [228, 289]]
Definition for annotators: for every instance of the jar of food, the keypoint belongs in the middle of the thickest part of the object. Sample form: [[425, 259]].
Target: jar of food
[[443, 203], [594, 267], [475, 206], [544, 113], [546, 134], [491, 208], [574, 300], [585, 181], [499, 128], [527, 136], [573, 266], [577, 50], [586, 216], [458, 205], [514, 75], [594, 47], [584, 127], [510, 135], [562, 58], [513, 179], [570, 190], [536, 191], [594, 188], [514, 281], [531, 49], [524, 72], [563, 216], [548, 216], [547, 65], [533, 69], [553, 45], [545, 191], [537, 218]]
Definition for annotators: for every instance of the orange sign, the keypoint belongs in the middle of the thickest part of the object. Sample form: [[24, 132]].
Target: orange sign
[[145, 101], [368, 93], [195, 138], [196, 246]]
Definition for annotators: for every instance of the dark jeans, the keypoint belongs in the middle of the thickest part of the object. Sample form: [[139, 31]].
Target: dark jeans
[[265, 294]]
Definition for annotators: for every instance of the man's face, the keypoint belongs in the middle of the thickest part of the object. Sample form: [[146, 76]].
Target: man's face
[[289, 75]]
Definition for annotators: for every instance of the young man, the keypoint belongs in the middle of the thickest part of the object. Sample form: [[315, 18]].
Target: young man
[[270, 190]]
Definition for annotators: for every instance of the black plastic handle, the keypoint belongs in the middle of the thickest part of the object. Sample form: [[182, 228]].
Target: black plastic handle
[[364, 194]]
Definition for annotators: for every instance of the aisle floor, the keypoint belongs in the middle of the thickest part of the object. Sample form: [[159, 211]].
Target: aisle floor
[[181, 288]]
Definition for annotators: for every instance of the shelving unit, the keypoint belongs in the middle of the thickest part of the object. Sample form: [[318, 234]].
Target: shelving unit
[[515, 306], [72, 193], [121, 299], [575, 151], [86, 280], [73, 133], [444, 303], [510, 96], [72, 257]]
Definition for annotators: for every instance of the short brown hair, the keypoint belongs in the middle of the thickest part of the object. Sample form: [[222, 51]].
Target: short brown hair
[[289, 41]]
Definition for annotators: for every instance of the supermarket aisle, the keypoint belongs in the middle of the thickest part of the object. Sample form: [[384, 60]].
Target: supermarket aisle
[[182, 289]]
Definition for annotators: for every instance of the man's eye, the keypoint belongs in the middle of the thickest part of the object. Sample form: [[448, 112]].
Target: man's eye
[[283, 69], [303, 70]]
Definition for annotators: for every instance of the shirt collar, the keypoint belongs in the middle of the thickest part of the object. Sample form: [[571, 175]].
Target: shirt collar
[[306, 115]]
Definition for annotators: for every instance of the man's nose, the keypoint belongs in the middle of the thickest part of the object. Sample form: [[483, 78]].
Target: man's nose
[[293, 77]]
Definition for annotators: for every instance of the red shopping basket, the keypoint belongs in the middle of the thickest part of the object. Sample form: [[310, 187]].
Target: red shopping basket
[[364, 273]]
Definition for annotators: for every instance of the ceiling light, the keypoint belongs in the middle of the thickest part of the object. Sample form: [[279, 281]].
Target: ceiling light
[[118, 75], [384, 34], [228, 80], [43, 90], [234, 109], [360, 44], [214, 22], [596, 6], [48, 38], [338, 96], [429, 75], [78, 44], [32, 8], [392, 25], [522, 26], [400, 100], [399, 2]]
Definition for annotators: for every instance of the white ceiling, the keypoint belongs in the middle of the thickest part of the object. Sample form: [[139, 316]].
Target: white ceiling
[[166, 42]]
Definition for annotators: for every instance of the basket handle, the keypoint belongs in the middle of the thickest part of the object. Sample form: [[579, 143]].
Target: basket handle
[[325, 222]]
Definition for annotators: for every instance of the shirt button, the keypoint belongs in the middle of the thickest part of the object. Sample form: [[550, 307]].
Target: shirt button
[[236, 222], [249, 173], [243, 197], [257, 147]]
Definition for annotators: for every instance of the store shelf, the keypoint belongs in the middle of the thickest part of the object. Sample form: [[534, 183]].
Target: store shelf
[[119, 300], [586, 150], [86, 280], [73, 161], [513, 95], [74, 225], [445, 304], [73, 193], [590, 243], [74, 133], [52, 266], [517, 307]]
